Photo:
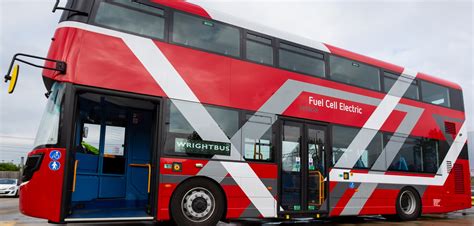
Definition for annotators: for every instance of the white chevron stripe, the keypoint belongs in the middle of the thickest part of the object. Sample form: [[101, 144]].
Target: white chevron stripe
[[175, 87], [248, 180], [375, 122], [437, 180]]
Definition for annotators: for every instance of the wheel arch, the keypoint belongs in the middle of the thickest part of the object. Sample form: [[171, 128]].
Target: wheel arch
[[417, 193], [213, 181]]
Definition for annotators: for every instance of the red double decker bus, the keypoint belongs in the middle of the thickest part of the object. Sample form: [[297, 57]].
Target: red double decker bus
[[162, 110]]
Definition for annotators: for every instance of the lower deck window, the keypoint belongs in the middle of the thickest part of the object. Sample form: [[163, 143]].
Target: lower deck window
[[183, 139], [257, 135], [342, 139]]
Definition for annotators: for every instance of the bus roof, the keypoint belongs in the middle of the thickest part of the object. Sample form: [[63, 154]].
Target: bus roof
[[226, 18]]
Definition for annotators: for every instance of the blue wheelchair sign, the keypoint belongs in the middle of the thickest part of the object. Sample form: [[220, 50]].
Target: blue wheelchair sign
[[55, 155], [352, 185], [54, 165]]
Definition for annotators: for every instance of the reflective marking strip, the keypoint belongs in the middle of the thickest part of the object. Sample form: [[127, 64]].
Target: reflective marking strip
[[107, 219], [358, 200], [253, 187]]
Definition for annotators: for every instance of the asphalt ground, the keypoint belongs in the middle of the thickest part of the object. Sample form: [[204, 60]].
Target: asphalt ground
[[10, 216]]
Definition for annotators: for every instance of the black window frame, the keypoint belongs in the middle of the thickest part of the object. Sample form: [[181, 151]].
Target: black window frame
[[441, 150], [380, 90], [166, 119], [456, 104], [245, 39], [379, 133], [437, 84], [393, 75], [440, 153], [165, 16], [324, 57], [171, 29], [274, 130]]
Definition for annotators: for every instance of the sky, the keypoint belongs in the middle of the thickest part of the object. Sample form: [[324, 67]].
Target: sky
[[435, 37]]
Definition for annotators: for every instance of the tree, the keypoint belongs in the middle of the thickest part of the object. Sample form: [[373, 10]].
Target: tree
[[9, 167]]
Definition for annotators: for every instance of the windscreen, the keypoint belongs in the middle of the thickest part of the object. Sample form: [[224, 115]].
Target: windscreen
[[49, 126]]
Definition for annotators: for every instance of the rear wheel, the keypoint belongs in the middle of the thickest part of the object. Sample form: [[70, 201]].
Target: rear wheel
[[408, 204], [197, 202]]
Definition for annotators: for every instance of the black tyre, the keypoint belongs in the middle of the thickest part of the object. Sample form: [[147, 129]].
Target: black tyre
[[197, 202], [408, 204]]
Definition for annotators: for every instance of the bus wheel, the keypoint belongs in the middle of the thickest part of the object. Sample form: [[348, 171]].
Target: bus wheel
[[197, 202], [408, 204]]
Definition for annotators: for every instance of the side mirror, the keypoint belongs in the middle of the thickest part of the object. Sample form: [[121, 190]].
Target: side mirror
[[85, 132], [13, 78], [14, 69]]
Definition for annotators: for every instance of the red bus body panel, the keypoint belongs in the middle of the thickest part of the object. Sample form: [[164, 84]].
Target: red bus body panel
[[106, 62], [41, 196]]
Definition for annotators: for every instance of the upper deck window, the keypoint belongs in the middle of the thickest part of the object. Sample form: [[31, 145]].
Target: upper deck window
[[435, 94], [259, 49], [354, 73], [412, 91], [301, 60], [457, 101], [204, 34], [133, 17]]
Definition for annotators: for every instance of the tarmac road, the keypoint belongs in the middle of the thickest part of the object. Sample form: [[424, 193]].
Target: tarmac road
[[10, 216]]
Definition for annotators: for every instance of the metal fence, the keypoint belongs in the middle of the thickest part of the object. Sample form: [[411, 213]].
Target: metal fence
[[10, 174]]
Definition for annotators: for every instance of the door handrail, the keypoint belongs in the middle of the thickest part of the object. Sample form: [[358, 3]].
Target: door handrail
[[149, 171], [75, 175], [321, 186]]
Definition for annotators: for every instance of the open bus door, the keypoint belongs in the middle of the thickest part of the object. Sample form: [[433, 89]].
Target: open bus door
[[304, 185], [112, 176]]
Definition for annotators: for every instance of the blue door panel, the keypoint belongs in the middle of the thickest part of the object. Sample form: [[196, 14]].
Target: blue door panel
[[87, 187], [87, 163], [139, 146], [112, 187]]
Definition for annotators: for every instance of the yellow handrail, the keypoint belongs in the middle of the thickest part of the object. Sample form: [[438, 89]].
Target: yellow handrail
[[74, 178], [149, 171], [321, 187]]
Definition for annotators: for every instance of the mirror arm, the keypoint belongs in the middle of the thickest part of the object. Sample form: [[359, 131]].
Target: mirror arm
[[60, 65], [68, 9]]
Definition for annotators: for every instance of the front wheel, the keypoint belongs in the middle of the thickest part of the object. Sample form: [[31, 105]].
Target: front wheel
[[408, 204], [197, 202]]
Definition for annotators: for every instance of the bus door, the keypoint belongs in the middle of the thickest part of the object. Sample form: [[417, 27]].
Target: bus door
[[303, 167], [112, 170]]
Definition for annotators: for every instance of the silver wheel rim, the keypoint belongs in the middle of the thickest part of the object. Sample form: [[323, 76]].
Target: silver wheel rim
[[407, 202], [198, 212]]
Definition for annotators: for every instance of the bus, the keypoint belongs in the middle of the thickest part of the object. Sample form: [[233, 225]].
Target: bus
[[167, 110]]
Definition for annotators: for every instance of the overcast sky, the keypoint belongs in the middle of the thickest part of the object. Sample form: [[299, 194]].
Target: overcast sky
[[435, 37]]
